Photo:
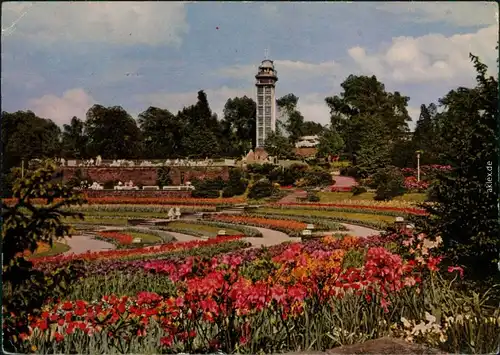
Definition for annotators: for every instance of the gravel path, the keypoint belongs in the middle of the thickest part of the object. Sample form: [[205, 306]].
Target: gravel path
[[292, 197], [270, 237], [85, 242], [359, 231]]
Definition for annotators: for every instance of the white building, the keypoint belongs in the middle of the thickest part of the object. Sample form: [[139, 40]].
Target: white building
[[266, 101], [307, 142]]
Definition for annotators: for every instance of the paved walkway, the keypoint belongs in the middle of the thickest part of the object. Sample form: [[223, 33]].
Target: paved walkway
[[82, 243], [85, 242], [359, 231], [292, 197]]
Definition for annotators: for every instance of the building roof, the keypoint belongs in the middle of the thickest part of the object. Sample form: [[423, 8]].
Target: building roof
[[305, 152]]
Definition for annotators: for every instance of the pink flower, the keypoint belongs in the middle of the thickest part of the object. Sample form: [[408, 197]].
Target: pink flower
[[456, 268]]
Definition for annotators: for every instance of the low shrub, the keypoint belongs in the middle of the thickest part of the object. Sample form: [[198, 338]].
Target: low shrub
[[358, 190], [389, 182], [164, 178], [261, 189], [208, 188], [236, 185], [312, 196], [351, 171], [318, 177], [110, 184]]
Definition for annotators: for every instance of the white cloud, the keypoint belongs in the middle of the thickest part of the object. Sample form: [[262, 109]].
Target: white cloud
[[151, 23], [314, 108], [463, 13], [74, 102], [432, 57], [287, 69]]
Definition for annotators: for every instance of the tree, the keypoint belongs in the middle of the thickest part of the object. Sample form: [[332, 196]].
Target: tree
[[27, 136], [239, 123], [202, 130], [162, 132], [426, 135], [112, 133], [466, 212], [363, 100], [330, 142], [373, 154], [310, 128], [277, 145], [74, 140], [24, 226], [295, 120]]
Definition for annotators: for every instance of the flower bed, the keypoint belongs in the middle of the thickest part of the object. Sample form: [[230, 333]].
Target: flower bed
[[138, 253], [321, 224], [295, 296], [284, 225], [124, 238], [352, 208], [116, 237], [150, 201], [340, 189]]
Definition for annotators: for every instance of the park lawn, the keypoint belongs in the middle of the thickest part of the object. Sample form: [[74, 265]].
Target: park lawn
[[57, 248], [202, 228], [325, 214], [100, 221], [145, 237], [330, 197]]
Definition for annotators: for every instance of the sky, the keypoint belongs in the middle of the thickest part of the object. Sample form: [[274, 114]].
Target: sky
[[60, 58]]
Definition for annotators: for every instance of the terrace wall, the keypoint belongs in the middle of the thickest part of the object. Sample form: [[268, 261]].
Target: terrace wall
[[137, 194], [145, 175]]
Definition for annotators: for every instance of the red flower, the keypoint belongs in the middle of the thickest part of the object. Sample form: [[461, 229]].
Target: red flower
[[456, 268], [167, 341], [58, 336]]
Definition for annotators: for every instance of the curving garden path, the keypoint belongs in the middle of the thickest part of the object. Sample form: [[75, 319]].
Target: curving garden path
[[85, 242], [82, 243]]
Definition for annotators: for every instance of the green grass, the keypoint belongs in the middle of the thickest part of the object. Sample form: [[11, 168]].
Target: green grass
[[57, 248], [202, 228], [145, 237], [326, 214], [327, 197]]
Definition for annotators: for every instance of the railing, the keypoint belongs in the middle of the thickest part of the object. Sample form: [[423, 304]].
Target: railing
[[147, 163]]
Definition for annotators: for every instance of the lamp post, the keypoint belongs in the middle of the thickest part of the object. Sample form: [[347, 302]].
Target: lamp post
[[418, 164]]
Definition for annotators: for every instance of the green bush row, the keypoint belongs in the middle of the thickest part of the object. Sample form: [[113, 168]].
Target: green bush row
[[247, 231]]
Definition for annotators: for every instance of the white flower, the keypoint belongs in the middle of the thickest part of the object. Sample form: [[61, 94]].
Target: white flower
[[430, 318], [406, 324]]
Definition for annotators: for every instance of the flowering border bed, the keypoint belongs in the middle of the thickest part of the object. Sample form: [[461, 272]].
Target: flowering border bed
[[352, 208], [324, 220], [149, 201], [137, 253]]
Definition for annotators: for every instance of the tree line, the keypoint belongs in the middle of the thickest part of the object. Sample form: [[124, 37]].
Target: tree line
[[368, 125]]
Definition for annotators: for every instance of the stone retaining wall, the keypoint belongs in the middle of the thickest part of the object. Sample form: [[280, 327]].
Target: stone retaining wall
[[137, 194], [145, 175]]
